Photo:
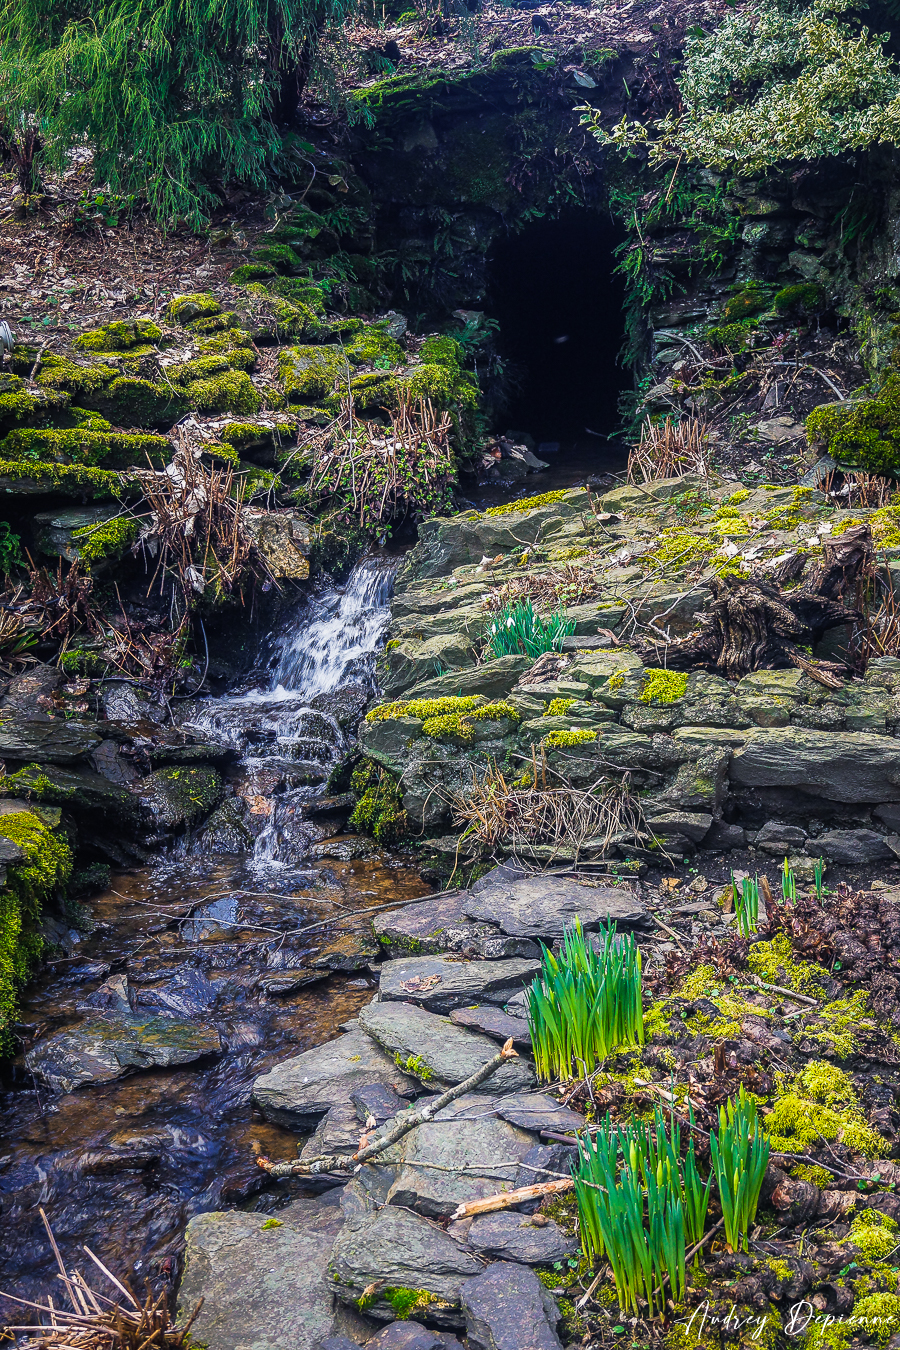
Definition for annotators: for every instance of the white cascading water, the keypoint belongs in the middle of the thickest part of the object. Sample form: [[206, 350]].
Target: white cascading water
[[330, 643]]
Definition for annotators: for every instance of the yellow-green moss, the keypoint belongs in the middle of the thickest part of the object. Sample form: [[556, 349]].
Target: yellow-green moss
[[72, 479], [737, 498], [310, 373], [875, 1234], [809, 1172], [863, 432], [424, 708], [558, 707], [229, 391], [663, 686], [47, 864], [57, 372], [415, 1065], [775, 962], [677, 546], [119, 336], [201, 367], [835, 1026], [372, 346], [183, 309], [615, 681], [109, 540], [458, 726], [878, 1315], [138, 402], [271, 1223], [555, 740], [379, 810], [528, 504], [80, 446], [821, 1103]]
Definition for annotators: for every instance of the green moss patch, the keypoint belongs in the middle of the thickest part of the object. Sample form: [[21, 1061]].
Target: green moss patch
[[311, 373], [119, 336], [183, 309], [379, 810], [527, 504], [76, 446], [663, 686], [109, 540], [864, 432], [229, 391], [57, 372], [556, 740], [70, 479], [30, 883], [821, 1103]]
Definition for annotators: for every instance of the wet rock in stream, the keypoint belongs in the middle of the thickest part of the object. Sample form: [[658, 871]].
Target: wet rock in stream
[[299, 1091], [441, 983], [104, 1048]]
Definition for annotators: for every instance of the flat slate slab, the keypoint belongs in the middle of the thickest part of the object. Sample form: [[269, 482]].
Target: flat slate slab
[[536, 1111], [507, 1308], [543, 907], [106, 1047], [298, 1092], [262, 1280], [842, 766], [508, 1236], [494, 1022], [441, 983], [463, 1154], [433, 1048], [437, 925], [406, 1253], [56, 741]]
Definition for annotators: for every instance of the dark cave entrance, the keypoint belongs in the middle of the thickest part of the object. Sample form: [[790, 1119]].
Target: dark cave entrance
[[560, 310]]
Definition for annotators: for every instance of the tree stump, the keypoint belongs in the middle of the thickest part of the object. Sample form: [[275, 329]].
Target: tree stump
[[759, 624]]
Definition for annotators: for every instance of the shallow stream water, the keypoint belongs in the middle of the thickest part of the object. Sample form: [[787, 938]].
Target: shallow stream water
[[122, 1166]]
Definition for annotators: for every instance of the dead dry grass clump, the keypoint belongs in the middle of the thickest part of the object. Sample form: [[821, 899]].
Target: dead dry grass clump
[[513, 814], [667, 449], [382, 473]]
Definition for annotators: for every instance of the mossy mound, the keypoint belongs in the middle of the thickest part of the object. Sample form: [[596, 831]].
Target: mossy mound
[[379, 810], [750, 299], [311, 373], [227, 391], [99, 543], [57, 372], [47, 864], [78, 446], [135, 402], [74, 480], [119, 337], [372, 346], [865, 432], [821, 1103], [280, 256], [251, 272], [807, 297], [183, 309]]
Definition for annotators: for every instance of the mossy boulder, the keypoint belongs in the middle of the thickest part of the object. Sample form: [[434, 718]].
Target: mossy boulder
[[311, 373], [226, 391], [862, 432], [373, 346], [135, 402], [57, 372], [114, 449], [183, 309], [280, 256], [182, 795], [27, 478], [119, 337]]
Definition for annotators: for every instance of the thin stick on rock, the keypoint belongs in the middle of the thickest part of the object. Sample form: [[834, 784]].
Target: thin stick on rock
[[507, 1199], [341, 1163]]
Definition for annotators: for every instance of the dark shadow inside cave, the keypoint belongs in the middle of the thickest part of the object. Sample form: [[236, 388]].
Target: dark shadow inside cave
[[560, 309]]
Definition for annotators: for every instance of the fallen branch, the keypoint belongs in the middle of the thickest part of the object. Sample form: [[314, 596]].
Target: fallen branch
[[508, 1199], [342, 1163]]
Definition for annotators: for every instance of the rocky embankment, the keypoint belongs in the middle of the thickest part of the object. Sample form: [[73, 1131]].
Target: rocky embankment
[[776, 760]]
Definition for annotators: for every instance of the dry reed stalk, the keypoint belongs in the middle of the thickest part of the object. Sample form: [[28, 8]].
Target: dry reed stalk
[[377, 469], [571, 584], [879, 633], [667, 449], [98, 1322], [515, 815], [195, 528], [869, 490]]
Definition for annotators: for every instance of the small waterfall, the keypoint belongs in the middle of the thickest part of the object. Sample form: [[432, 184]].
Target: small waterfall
[[318, 656], [289, 733]]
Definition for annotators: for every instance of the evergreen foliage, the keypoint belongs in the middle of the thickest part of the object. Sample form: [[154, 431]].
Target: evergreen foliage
[[776, 81], [170, 94]]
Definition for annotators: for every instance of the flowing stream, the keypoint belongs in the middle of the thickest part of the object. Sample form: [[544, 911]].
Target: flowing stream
[[120, 1166]]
